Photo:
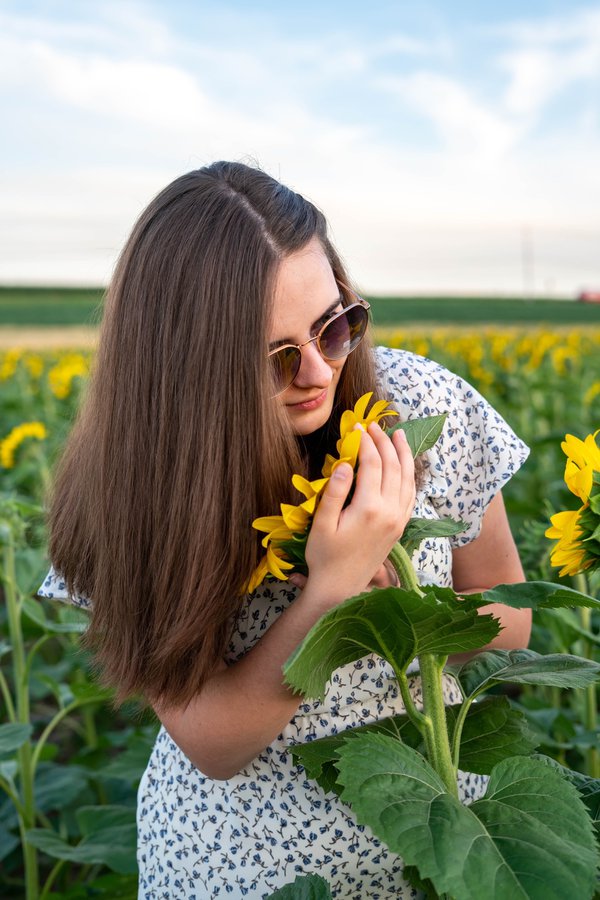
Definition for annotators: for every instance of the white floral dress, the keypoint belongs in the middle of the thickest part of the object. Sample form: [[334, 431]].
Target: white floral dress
[[255, 832]]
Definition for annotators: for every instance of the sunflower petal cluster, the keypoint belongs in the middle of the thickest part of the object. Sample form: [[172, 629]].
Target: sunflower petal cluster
[[577, 532], [286, 534], [13, 440]]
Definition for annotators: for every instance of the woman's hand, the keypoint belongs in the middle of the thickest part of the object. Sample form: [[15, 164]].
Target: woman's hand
[[347, 545]]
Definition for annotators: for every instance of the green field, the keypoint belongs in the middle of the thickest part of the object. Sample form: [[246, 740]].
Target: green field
[[83, 306], [50, 306]]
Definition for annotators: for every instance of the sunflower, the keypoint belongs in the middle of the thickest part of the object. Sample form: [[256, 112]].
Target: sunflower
[[577, 532], [583, 459], [286, 534]]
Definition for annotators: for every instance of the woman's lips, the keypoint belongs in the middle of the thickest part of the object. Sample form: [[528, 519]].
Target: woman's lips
[[310, 404]]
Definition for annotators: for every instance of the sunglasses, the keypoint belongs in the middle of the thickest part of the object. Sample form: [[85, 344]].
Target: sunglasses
[[338, 337]]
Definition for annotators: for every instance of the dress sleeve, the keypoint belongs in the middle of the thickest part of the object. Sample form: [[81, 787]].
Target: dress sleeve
[[54, 588], [477, 452]]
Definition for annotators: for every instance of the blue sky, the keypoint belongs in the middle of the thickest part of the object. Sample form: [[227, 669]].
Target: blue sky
[[454, 146]]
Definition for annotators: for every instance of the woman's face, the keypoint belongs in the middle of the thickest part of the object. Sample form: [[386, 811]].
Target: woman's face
[[306, 295]]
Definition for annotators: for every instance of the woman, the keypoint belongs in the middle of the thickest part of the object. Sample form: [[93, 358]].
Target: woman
[[223, 368]]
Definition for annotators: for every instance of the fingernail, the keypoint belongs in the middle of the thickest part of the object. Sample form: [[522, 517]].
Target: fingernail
[[358, 427], [402, 435], [342, 471]]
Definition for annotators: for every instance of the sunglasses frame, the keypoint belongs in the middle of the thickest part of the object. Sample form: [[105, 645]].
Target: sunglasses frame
[[359, 302]]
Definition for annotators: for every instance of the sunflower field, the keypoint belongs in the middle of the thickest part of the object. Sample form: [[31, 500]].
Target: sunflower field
[[70, 761]]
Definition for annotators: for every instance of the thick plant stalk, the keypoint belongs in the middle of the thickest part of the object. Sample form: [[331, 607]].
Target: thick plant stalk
[[590, 715], [431, 666], [26, 813]]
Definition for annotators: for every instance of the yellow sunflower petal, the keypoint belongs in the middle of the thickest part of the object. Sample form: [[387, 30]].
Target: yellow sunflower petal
[[328, 465], [379, 410], [278, 534], [563, 524], [295, 517], [257, 577], [277, 564], [579, 481], [361, 405], [267, 523], [309, 488], [348, 447]]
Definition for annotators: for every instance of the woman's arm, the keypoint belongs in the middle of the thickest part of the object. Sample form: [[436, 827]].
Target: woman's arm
[[491, 559], [244, 706]]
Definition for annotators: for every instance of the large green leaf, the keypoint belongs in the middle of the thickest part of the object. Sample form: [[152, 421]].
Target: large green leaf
[[305, 887], [587, 787], [525, 667], [113, 847], [421, 433], [320, 757], [56, 785], [528, 839], [95, 818], [419, 529], [492, 732], [393, 623], [13, 735], [538, 595]]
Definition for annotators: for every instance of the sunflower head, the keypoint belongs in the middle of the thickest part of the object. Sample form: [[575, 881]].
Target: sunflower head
[[577, 532], [286, 535]]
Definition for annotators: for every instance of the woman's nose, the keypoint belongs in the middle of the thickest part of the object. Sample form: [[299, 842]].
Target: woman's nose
[[314, 370]]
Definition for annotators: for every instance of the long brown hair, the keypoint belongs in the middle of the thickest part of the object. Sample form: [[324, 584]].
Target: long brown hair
[[179, 445]]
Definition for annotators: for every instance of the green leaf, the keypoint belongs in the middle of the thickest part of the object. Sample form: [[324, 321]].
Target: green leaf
[[319, 758], [525, 667], [114, 847], [493, 732], [131, 763], [96, 818], [8, 842], [419, 529], [13, 736], [56, 786], [565, 626], [393, 623], [106, 887], [587, 787], [305, 887], [422, 433], [538, 595], [8, 770], [73, 620], [529, 838]]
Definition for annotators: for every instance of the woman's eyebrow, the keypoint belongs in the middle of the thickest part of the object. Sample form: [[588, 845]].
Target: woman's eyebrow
[[313, 328]]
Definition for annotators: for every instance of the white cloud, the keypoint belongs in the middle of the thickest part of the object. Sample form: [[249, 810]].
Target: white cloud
[[156, 103], [466, 124]]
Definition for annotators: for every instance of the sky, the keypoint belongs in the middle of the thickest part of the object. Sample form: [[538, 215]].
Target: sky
[[453, 146]]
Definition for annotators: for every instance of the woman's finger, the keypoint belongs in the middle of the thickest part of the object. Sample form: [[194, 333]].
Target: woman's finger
[[368, 478], [392, 471], [333, 498]]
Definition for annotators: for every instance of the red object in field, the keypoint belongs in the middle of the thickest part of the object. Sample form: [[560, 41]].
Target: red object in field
[[589, 297]]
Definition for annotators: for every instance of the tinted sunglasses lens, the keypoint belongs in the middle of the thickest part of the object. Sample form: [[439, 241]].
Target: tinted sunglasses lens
[[344, 333], [285, 364]]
